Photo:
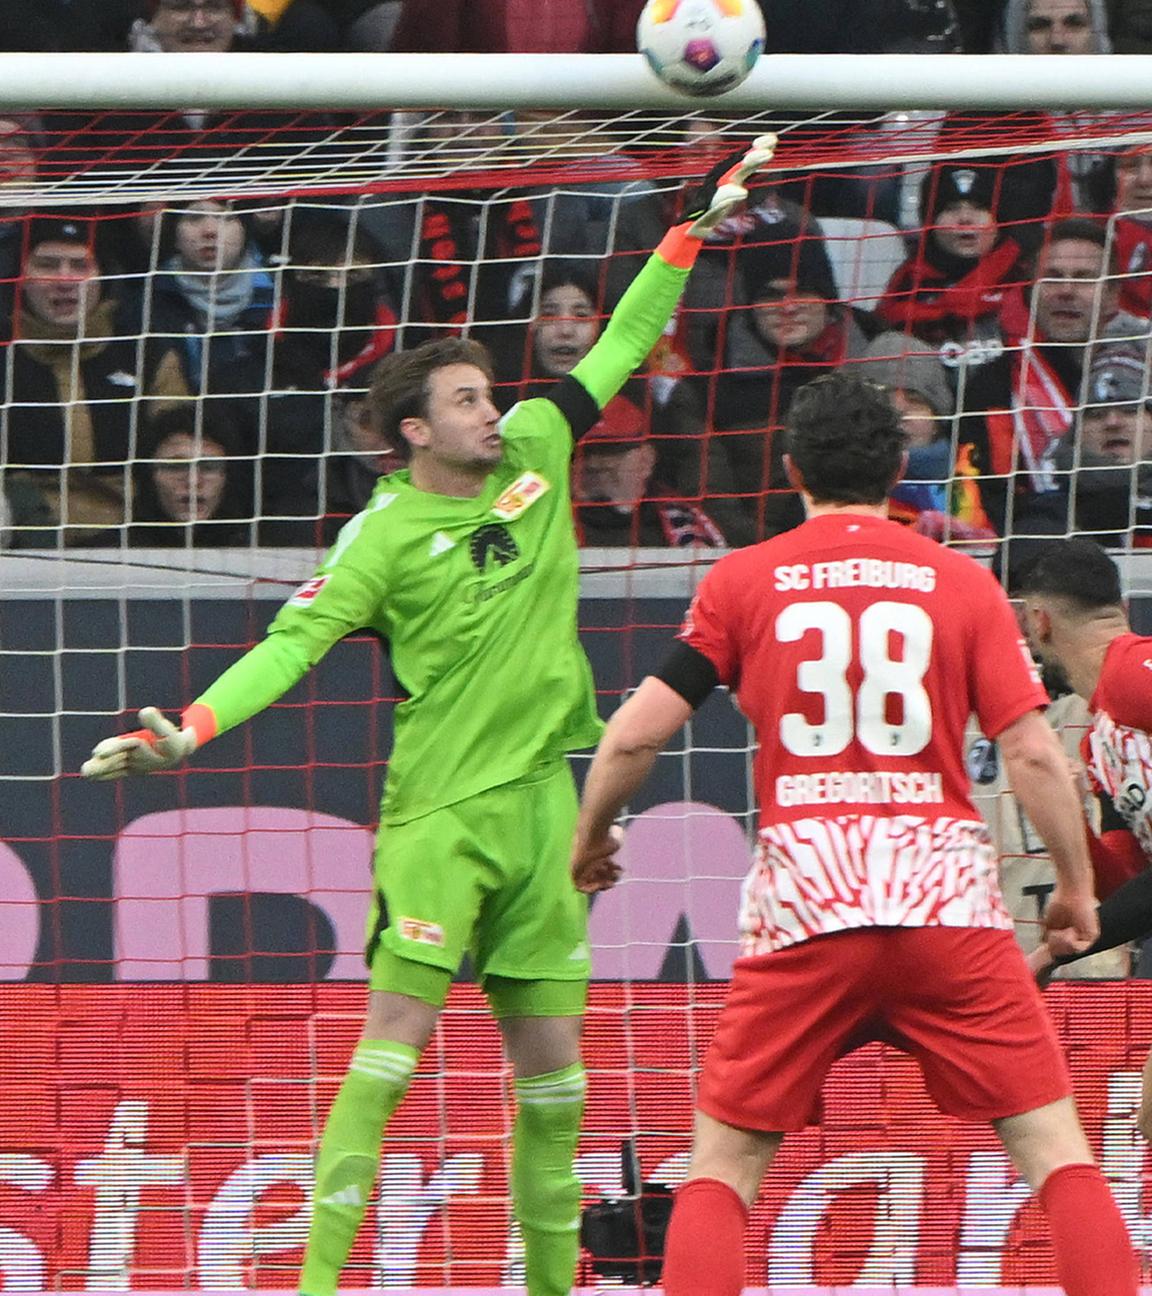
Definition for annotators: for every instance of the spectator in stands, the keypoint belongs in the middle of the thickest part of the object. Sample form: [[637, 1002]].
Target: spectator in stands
[[72, 383], [950, 291], [937, 495], [1056, 27], [618, 498], [1132, 229], [478, 253], [344, 479], [561, 332], [1025, 398], [213, 300], [1067, 27], [361, 456], [1026, 186], [580, 217], [243, 139], [188, 26], [21, 141], [793, 329], [1104, 463], [335, 312], [193, 483], [334, 319], [719, 284], [566, 323]]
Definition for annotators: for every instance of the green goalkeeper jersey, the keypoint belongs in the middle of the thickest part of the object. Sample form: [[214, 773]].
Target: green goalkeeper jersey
[[476, 597]]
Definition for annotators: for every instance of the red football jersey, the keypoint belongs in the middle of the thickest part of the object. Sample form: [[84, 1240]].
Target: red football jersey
[[858, 650], [1118, 748]]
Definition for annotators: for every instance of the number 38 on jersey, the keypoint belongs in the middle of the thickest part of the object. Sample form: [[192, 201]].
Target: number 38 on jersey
[[888, 712]]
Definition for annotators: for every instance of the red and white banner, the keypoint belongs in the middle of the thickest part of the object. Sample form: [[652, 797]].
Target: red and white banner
[[160, 1138]]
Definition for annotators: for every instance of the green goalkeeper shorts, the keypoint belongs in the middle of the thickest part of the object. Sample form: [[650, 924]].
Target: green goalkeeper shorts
[[488, 876]]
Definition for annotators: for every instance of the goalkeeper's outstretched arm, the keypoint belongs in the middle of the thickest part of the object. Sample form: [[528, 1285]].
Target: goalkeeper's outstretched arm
[[336, 603], [645, 309]]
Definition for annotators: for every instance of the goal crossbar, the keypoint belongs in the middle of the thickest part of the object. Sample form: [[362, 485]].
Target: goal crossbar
[[419, 81]]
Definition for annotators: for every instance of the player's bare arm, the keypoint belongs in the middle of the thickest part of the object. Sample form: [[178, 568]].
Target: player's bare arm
[[1038, 771], [634, 738]]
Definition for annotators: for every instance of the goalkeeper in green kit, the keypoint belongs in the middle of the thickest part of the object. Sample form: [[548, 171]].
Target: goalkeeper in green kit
[[466, 562]]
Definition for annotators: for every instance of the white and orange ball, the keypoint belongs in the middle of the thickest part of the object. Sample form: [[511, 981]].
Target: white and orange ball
[[701, 47]]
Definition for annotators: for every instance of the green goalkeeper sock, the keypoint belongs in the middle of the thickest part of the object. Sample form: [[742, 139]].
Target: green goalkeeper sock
[[349, 1156], [545, 1190]]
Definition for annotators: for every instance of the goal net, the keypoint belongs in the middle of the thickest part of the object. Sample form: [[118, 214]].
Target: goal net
[[193, 303]]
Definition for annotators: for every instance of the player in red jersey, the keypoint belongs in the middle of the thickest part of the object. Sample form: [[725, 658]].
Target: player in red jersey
[[872, 911], [1076, 623]]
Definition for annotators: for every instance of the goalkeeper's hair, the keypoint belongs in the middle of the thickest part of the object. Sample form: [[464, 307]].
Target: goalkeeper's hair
[[1077, 571], [400, 387], [845, 439]]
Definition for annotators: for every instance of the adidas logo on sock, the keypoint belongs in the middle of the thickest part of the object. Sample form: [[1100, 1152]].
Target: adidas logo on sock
[[350, 1196]]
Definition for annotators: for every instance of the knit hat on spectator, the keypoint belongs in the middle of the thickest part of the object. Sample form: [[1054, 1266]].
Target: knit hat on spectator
[[622, 426], [898, 362], [1118, 375], [792, 256], [59, 229], [945, 186]]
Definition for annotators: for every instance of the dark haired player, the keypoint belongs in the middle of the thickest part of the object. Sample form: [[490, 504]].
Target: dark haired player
[[1076, 622], [858, 650]]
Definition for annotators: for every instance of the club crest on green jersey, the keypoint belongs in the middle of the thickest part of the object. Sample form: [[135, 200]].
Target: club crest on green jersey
[[520, 495], [492, 543]]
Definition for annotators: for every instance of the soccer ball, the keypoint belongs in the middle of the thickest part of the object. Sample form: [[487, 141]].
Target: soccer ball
[[701, 47]]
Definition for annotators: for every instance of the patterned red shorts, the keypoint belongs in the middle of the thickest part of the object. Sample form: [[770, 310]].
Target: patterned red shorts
[[958, 999]]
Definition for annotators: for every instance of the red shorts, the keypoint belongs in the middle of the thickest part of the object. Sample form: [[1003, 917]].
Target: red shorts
[[958, 999]]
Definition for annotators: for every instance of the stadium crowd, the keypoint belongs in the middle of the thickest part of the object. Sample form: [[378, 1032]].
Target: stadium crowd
[[195, 372]]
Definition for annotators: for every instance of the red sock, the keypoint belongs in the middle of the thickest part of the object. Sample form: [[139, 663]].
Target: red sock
[[704, 1253], [1094, 1255]]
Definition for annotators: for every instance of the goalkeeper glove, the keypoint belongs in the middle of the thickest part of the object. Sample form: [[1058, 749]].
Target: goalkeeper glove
[[723, 189], [158, 746]]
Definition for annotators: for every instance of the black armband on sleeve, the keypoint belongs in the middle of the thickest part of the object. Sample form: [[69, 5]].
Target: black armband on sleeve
[[688, 672], [1111, 819], [1126, 915], [576, 403]]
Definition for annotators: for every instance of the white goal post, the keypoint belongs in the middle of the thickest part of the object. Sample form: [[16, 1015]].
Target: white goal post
[[367, 81]]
